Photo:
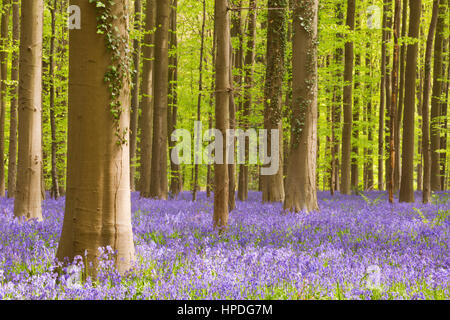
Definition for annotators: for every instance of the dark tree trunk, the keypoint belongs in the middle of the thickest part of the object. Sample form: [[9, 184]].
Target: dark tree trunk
[[407, 180], [135, 93], [348, 104], [273, 185]]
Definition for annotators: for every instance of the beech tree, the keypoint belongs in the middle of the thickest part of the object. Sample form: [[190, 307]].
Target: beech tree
[[4, 34], [28, 189], [425, 107], [12, 157], [222, 90], [158, 182], [135, 91], [348, 104], [273, 185], [407, 182], [98, 206], [301, 192], [146, 119], [175, 182], [249, 61], [435, 137]]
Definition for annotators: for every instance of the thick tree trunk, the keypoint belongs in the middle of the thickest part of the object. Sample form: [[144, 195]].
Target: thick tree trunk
[[301, 193], [12, 161], [28, 189], [273, 185], [436, 103], [248, 70], [223, 86], [135, 93], [348, 104], [146, 119], [4, 43], [407, 179], [98, 206], [159, 183]]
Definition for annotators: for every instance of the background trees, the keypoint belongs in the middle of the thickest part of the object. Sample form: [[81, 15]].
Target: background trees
[[245, 59]]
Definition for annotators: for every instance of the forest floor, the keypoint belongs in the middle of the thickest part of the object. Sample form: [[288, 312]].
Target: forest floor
[[356, 247]]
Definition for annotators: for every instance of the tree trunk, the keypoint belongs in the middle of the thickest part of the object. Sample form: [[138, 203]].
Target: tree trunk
[[236, 80], [388, 89], [401, 96], [273, 185], [54, 191], [98, 206], [394, 97], [407, 179], [369, 179], [146, 120], [337, 108], [248, 70], [425, 107], [199, 100], [28, 189], [4, 43], [348, 103], [135, 92], [209, 179], [436, 103], [175, 182], [301, 193], [159, 183], [12, 162], [222, 27], [355, 129], [444, 124]]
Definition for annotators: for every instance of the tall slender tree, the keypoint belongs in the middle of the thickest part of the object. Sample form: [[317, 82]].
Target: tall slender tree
[[436, 101], [54, 191], [175, 181], [247, 104], [407, 179], [146, 119], [401, 95], [159, 183], [222, 90], [348, 104], [200, 96], [394, 101], [426, 196], [135, 91], [4, 42], [12, 158]]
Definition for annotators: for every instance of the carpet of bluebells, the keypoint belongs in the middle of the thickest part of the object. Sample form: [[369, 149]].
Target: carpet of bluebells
[[265, 254]]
